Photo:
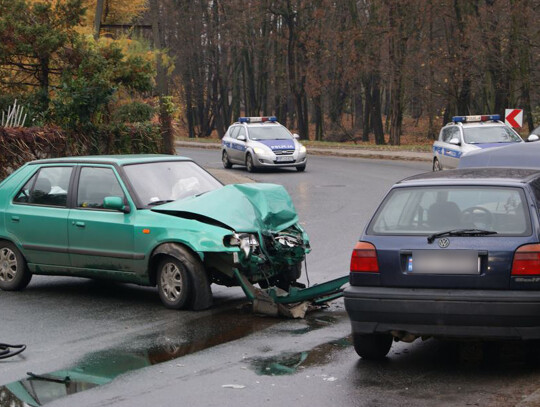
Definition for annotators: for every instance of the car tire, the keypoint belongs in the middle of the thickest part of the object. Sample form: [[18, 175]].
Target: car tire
[[225, 160], [372, 346], [14, 273], [249, 163], [437, 165], [301, 168], [173, 281]]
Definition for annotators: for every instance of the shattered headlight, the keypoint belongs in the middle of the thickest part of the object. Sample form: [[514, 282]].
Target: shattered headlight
[[247, 242]]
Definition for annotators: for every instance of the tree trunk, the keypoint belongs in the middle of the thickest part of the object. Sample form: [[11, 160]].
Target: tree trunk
[[162, 84]]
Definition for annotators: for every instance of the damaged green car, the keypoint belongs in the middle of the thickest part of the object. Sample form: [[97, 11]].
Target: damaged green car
[[154, 220]]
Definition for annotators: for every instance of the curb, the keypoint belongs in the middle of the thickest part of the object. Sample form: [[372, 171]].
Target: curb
[[351, 153]]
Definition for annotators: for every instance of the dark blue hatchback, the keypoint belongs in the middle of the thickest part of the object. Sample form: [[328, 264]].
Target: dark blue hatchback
[[452, 254]]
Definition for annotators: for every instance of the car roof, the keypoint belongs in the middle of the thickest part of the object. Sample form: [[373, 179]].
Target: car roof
[[114, 159], [260, 124], [486, 176], [476, 124], [519, 155]]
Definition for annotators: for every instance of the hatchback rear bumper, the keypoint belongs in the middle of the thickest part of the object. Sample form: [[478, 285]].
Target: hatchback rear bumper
[[488, 314]]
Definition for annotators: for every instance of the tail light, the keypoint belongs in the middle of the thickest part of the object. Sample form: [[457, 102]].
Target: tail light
[[364, 258], [526, 260]]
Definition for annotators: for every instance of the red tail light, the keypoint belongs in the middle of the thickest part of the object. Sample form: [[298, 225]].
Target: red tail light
[[364, 258], [526, 260]]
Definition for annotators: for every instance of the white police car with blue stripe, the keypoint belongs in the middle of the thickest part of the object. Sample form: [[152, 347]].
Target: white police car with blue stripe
[[470, 133], [259, 142]]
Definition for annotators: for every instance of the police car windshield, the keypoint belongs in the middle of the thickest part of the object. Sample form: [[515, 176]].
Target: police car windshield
[[490, 134], [269, 132]]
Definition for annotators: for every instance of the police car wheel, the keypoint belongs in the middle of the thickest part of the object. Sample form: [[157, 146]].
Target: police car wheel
[[301, 168], [249, 163], [225, 160], [437, 165]]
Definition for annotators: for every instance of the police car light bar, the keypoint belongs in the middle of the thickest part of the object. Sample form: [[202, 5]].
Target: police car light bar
[[257, 119], [483, 118]]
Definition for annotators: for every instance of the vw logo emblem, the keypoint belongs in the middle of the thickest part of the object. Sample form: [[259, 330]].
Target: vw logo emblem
[[444, 243]]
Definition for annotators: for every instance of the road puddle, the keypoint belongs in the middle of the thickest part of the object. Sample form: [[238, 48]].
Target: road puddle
[[102, 367], [290, 363], [174, 341], [312, 323]]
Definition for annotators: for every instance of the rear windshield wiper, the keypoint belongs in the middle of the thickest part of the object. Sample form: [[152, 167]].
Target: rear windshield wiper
[[461, 232]]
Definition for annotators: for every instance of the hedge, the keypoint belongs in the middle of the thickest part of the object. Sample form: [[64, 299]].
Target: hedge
[[20, 145]]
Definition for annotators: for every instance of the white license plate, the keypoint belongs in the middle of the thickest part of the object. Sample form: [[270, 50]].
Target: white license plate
[[285, 158], [443, 262]]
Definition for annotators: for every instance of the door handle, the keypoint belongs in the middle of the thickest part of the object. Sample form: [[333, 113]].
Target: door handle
[[15, 219], [79, 224]]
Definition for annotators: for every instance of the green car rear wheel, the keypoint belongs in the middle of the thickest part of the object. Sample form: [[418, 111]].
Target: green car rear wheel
[[14, 274]]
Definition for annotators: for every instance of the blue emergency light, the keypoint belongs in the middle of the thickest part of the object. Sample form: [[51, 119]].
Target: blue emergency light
[[469, 119], [257, 119]]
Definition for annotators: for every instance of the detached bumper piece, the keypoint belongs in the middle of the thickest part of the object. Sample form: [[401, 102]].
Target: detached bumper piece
[[294, 303]]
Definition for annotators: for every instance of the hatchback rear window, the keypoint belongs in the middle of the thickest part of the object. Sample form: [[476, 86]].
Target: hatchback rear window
[[432, 209]]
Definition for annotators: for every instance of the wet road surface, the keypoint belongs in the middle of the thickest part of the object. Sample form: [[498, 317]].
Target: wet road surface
[[141, 354]]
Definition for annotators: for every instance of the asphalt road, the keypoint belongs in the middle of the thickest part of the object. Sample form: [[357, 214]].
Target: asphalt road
[[227, 356]]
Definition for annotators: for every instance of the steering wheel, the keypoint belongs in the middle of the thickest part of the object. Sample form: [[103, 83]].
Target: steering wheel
[[478, 216]]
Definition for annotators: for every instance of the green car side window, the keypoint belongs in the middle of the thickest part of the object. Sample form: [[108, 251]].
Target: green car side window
[[48, 187], [96, 183], [24, 194]]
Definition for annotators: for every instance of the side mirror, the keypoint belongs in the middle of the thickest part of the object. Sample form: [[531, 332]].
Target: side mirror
[[241, 137], [296, 136], [455, 141], [115, 203], [533, 137]]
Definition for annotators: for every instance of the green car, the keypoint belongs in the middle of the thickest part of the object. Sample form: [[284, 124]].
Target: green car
[[146, 219]]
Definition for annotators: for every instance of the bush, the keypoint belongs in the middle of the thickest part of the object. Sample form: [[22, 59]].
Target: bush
[[20, 145], [120, 138], [134, 112]]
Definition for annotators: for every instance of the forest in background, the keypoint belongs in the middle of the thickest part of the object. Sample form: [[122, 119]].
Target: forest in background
[[332, 70], [352, 66]]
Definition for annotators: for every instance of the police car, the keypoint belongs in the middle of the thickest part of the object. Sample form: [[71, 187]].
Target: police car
[[261, 142], [469, 133]]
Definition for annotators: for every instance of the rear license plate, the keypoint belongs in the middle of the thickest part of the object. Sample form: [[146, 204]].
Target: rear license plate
[[443, 262], [285, 158]]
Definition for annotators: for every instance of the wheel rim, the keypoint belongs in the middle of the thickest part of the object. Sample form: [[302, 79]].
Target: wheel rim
[[436, 166], [8, 264], [172, 283], [249, 163], [225, 159]]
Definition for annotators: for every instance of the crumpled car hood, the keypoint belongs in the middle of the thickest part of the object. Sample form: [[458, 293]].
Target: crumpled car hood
[[240, 207]]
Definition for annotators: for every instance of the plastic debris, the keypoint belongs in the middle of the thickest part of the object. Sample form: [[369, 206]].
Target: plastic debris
[[233, 386]]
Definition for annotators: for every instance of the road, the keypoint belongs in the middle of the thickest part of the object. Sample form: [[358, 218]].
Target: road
[[188, 357]]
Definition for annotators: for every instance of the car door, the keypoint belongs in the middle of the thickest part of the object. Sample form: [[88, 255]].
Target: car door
[[99, 238], [37, 217], [451, 152], [239, 146], [229, 141]]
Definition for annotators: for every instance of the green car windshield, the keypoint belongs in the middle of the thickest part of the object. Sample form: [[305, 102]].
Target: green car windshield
[[269, 132], [426, 210], [161, 182]]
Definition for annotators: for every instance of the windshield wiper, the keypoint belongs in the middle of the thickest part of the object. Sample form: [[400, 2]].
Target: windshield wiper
[[164, 201], [461, 232]]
